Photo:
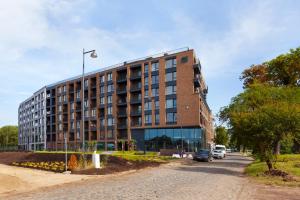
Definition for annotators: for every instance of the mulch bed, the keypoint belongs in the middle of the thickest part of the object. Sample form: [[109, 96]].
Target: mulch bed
[[115, 164]]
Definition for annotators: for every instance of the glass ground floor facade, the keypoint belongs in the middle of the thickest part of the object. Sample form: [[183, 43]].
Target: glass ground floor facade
[[153, 139]]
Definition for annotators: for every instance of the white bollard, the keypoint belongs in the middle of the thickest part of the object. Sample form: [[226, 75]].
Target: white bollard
[[96, 160]]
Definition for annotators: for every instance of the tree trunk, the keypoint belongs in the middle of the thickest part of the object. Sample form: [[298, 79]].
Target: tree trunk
[[277, 148], [269, 163]]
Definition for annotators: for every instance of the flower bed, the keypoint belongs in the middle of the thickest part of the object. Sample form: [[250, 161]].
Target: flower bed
[[48, 166]]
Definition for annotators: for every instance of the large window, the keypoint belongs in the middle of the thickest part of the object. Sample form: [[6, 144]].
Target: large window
[[170, 63], [146, 66], [146, 80], [171, 103], [155, 92], [156, 118], [109, 76], [155, 79], [171, 89], [146, 93], [171, 117], [156, 104], [109, 110], [101, 79], [171, 76], [110, 88], [148, 105], [102, 89], [110, 121], [109, 99], [155, 66], [102, 100], [148, 119]]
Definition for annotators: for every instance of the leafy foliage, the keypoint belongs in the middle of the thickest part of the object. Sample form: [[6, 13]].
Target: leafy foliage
[[221, 135], [9, 136], [263, 115], [284, 70]]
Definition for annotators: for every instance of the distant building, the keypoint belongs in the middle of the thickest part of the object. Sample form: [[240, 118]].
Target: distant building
[[154, 102]]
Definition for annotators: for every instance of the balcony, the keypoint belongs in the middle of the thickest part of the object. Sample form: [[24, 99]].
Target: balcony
[[122, 102], [122, 79], [136, 113], [121, 90], [136, 123], [197, 81], [197, 68], [136, 75], [122, 113], [136, 101], [122, 125], [135, 88]]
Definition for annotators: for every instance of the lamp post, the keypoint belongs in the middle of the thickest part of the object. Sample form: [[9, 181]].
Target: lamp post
[[187, 107], [93, 55], [66, 148]]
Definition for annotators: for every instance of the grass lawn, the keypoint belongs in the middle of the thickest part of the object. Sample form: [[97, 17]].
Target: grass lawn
[[289, 163]]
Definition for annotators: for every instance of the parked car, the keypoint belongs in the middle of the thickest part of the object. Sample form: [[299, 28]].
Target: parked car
[[221, 148], [218, 154], [203, 155], [228, 150]]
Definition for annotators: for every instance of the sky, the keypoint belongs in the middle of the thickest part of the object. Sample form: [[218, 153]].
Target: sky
[[39, 38]]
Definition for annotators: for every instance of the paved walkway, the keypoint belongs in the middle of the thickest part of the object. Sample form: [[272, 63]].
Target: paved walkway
[[220, 179]]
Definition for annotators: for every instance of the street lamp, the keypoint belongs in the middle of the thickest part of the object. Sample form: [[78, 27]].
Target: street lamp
[[187, 107], [93, 55]]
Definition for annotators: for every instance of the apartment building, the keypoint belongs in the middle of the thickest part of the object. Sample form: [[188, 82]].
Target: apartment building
[[156, 102]]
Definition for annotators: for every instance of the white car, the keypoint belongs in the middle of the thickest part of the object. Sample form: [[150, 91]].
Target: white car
[[218, 154], [221, 148]]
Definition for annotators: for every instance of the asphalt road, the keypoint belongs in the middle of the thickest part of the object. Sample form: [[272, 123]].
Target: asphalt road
[[220, 179]]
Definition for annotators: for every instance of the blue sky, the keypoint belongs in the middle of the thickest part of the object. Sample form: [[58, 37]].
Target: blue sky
[[38, 38]]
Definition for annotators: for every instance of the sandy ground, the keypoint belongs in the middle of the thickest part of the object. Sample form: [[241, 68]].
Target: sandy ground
[[16, 179]]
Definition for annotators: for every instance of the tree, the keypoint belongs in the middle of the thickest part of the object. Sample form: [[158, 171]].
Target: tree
[[283, 70], [221, 135], [9, 136], [262, 116]]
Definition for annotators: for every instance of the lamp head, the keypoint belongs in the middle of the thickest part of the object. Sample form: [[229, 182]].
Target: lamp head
[[94, 54]]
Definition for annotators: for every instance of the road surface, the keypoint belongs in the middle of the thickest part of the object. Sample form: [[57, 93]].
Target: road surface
[[220, 179]]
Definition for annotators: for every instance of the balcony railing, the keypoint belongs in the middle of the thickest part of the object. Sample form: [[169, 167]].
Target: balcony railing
[[135, 88], [122, 126], [136, 113], [122, 79], [121, 91], [136, 101]]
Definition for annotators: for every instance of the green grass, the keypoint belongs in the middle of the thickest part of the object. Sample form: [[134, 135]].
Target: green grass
[[289, 163], [140, 156]]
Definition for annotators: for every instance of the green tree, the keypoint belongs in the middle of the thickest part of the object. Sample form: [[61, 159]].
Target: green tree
[[283, 70], [262, 116], [9, 136], [221, 135]]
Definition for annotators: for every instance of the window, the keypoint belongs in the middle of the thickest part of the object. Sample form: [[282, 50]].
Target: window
[[171, 63], [102, 100], [86, 113], [72, 106], [110, 88], [184, 59], [59, 99], [93, 114], [102, 122], [86, 83], [109, 76], [146, 80], [155, 79], [146, 93], [102, 89], [110, 121], [156, 118], [148, 105], [157, 104], [59, 117], [78, 94], [148, 119], [78, 134], [171, 103], [109, 110], [101, 79], [59, 90], [146, 66], [110, 134], [109, 99], [60, 127], [171, 89], [155, 66], [59, 108], [72, 115], [72, 125], [155, 92], [78, 124], [171, 117], [64, 98], [86, 103], [171, 76]]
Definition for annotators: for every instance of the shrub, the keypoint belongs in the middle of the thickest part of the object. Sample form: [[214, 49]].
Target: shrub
[[72, 164]]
